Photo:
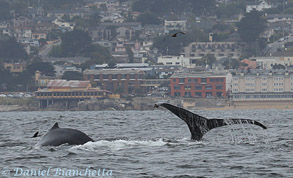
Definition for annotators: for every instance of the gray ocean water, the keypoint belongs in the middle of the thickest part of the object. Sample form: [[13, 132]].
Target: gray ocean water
[[148, 144]]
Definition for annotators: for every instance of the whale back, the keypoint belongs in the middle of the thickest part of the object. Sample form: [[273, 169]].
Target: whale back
[[57, 136]]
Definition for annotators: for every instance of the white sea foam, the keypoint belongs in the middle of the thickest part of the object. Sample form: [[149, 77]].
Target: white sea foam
[[120, 144]]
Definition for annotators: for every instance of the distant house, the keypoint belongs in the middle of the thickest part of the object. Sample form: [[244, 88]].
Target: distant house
[[175, 60], [21, 21], [179, 25], [17, 67], [21, 31], [109, 31], [197, 50], [29, 41], [258, 6], [60, 70], [279, 18], [64, 25], [39, 35], [250, 64]]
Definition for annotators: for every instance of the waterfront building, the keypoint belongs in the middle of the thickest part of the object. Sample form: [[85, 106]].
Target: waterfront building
[[199, 84], [262, 85], [124, 81], [68, 92]]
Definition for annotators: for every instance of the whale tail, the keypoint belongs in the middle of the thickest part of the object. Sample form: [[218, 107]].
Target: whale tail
[[199, 125]]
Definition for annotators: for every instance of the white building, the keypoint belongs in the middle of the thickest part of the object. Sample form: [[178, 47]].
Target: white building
[[175, 60], [258, 6], [174, 25], [269, 62]]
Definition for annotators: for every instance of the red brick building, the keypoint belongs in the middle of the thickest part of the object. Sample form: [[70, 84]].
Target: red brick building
[[200, 84], [122, 81]]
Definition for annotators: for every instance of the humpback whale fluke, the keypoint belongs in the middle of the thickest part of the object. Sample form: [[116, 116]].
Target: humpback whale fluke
[[199, 125], [57, 136]]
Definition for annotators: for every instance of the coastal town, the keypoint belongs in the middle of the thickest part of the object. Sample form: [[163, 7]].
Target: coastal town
[[130, 54]]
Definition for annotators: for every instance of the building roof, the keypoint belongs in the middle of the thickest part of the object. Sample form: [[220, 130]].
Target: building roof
[[112, 71], [197, 74], [66, 84]]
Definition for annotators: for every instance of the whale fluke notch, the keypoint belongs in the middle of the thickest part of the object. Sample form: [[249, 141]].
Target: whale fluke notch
[[199, 125]]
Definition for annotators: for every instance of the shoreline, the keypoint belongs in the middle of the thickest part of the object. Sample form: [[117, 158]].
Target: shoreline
[[141, 104]]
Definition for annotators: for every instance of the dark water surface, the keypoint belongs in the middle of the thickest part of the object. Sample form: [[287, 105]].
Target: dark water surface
[[148, 144]]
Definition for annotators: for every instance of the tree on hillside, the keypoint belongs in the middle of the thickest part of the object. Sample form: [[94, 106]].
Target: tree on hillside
[[5, 11], [45, 67], [11, 49], [148, 18], [130, 55], [60, 4], [6, 81], [251, 26], [164, 7], [206, 60], [74, 42], [97, 54], [168, 45]]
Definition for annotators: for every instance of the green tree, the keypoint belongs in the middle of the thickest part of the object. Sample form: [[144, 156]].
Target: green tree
[[72, 75], [6, 79], [56, 51], [44, 67], [5, 11], [54, 34], [74, 42], [208, 59], [11, 49], [251, 26], [130, 54], [232, 64], [170, 7], [97, 55], [168, 45], [148, 18]]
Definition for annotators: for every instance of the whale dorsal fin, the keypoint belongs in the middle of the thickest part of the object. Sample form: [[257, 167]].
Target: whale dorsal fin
[[199, 125], [35, 135], [55, 126]]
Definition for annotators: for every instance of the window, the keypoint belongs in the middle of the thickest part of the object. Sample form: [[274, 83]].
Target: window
[[198, 94], [209, 87], [219, 87], [203, 80], [114, 76], [176, 87], [198, 87], [105, 76], [181, 80], [188, 87], [177, 94], [192, 80]]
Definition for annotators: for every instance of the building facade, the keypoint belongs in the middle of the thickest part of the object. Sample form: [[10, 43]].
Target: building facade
[[122, 81], [198, 84], [175, 60], [197, 50], [263, 85]]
